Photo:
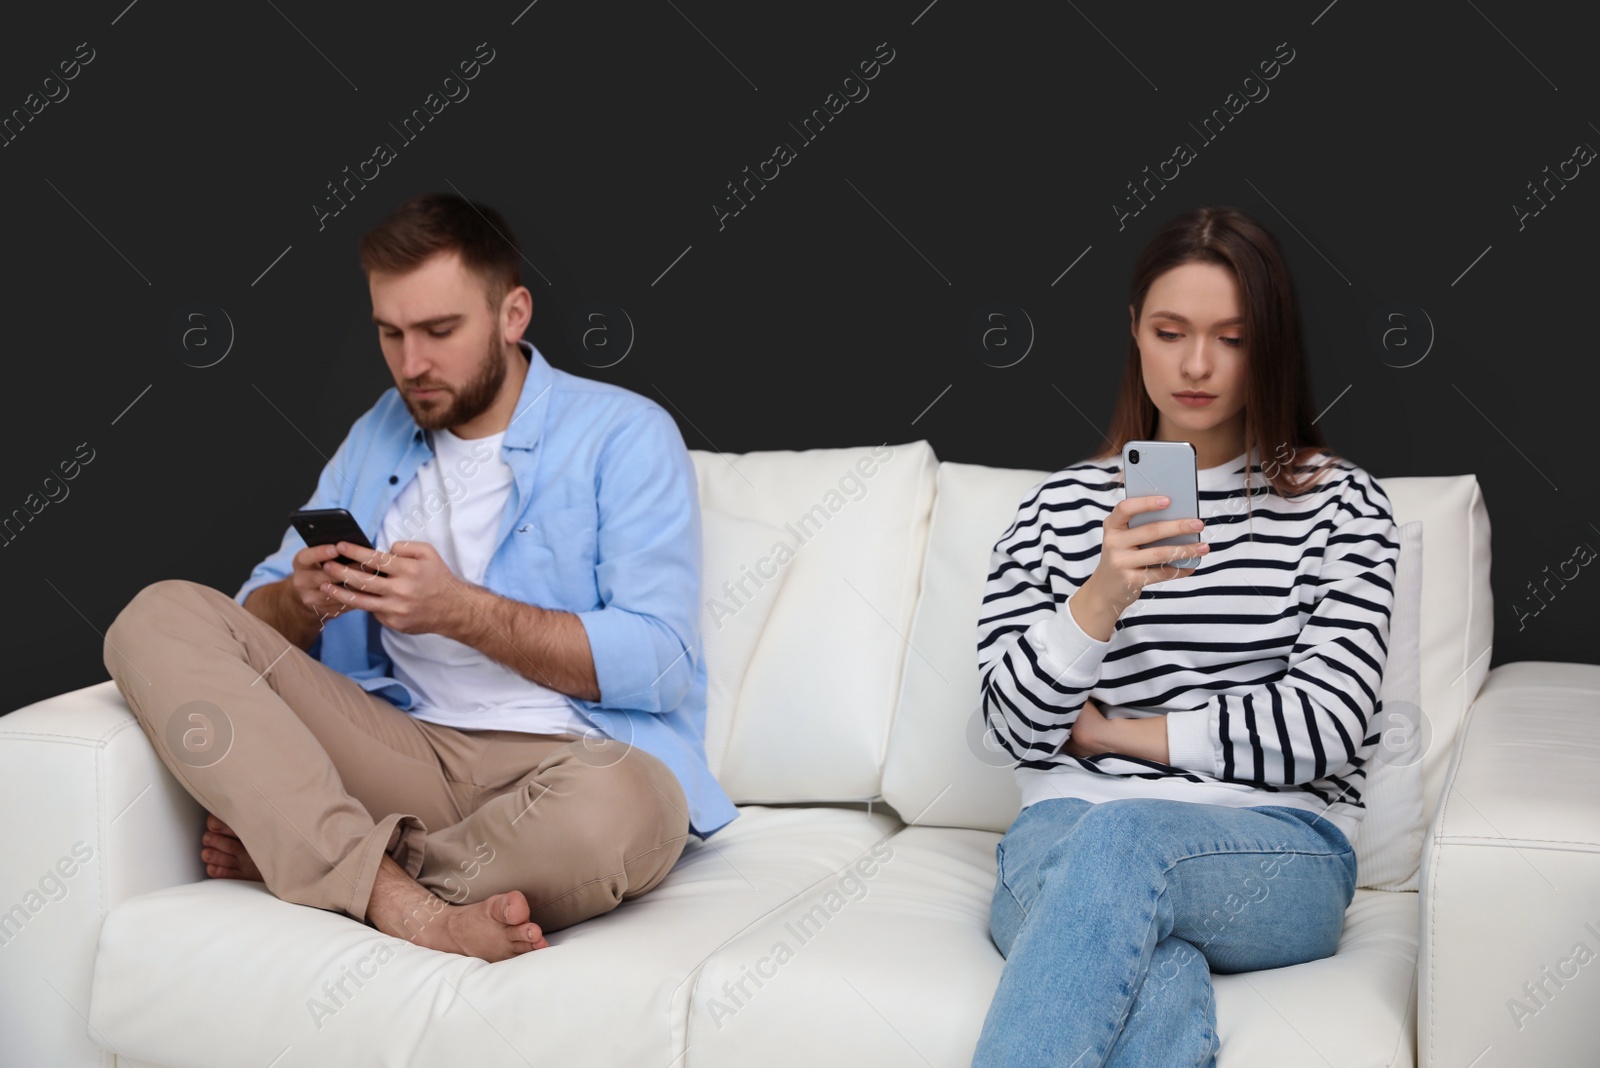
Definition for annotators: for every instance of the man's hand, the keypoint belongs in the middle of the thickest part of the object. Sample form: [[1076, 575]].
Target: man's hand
[[307, 578], [421, 595]]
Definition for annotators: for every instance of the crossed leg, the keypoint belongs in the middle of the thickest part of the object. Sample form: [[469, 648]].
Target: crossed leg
[[199, 671], [495, 929]]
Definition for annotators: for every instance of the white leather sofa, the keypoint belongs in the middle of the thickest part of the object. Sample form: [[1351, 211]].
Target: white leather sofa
[[842, 919]]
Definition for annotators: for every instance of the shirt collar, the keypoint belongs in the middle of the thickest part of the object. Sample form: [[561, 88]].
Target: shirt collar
[[533, 403], [527, 419]]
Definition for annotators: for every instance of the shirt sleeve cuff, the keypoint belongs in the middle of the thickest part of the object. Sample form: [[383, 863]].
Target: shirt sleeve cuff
[[1190, 741], [626, 655], [1065, 651]]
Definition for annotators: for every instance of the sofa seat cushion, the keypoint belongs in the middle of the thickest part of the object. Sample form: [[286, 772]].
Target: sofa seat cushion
[[902, 972], [220, 973]]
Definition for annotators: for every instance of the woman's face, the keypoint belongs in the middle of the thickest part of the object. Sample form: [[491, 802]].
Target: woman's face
[[1191, 340]]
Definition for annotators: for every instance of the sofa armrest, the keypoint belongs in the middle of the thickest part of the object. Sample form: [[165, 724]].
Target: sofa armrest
[[92, 818], [1509, 960]]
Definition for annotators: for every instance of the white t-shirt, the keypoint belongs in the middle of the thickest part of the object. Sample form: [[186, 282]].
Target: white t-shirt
[[455, 503]]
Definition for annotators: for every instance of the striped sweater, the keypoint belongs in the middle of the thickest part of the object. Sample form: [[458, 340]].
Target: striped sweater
[[1266, 661]]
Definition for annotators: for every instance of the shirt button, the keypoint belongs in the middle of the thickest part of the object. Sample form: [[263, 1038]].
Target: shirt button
[[393, 479]]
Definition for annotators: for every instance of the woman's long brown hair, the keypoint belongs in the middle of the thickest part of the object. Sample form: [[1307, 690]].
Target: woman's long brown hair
[[1278, 404]]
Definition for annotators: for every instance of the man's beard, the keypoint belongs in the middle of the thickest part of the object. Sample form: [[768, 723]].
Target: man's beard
[[468, 402]]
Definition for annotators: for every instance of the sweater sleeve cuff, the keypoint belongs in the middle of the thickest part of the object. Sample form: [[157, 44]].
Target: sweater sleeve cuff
[[1065, 651], [1190, 741]]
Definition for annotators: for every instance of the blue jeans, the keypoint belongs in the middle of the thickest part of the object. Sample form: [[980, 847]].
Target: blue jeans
[[1112, 917]]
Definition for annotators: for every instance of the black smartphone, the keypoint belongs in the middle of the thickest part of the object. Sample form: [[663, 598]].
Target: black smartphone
[[324, 526]]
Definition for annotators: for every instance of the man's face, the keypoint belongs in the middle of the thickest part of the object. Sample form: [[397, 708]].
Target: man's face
[[442, 344]]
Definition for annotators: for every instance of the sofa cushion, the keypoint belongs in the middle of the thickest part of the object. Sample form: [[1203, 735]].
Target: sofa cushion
[[221, 974], [729, 632], [816, 703], [1457, 637], [898, 963], [1389, 840], [941, 769], [903, 970]]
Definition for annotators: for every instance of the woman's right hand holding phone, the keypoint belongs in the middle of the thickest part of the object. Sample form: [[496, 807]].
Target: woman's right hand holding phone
[[1126, 568]]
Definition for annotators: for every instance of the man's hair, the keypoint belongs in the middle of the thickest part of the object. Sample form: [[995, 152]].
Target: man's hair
[[430, 223]]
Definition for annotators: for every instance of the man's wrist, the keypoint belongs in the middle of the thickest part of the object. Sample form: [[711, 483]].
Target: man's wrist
[[471, 621], [280, 606]]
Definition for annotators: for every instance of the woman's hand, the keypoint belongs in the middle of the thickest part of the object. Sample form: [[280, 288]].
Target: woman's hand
[[1124, 568], [1094, 733], [1088, 732]]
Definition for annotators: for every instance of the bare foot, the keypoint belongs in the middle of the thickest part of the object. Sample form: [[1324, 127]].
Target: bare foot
[[494, 929], [224, 854]]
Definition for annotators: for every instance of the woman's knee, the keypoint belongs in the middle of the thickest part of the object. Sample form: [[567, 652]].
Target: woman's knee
[[1122, 833]]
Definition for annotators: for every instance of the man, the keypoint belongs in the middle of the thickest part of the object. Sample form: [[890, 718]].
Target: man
[[505, 734]]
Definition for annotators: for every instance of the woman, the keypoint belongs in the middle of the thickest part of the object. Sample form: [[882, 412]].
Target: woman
[[1190, 742]]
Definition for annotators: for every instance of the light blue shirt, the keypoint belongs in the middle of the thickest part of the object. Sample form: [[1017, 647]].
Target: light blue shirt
[[602, 520]]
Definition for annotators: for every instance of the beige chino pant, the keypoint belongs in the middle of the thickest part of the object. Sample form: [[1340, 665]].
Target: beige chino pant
[[320, 778]]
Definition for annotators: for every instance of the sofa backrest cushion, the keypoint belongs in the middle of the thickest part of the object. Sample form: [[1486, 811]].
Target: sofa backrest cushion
[[939, 770], [1457, 610], [814, 708], [1389, 839], [942, 770], [729, 634]]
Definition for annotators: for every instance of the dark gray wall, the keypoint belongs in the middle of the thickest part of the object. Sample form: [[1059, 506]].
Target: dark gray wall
[[1389, 155]]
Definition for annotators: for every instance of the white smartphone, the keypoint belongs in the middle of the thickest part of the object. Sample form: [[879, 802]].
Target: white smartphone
[[1163, 469]]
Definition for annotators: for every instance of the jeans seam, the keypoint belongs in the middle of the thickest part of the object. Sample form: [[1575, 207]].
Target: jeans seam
[[1254, 852], [1005, 883]]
